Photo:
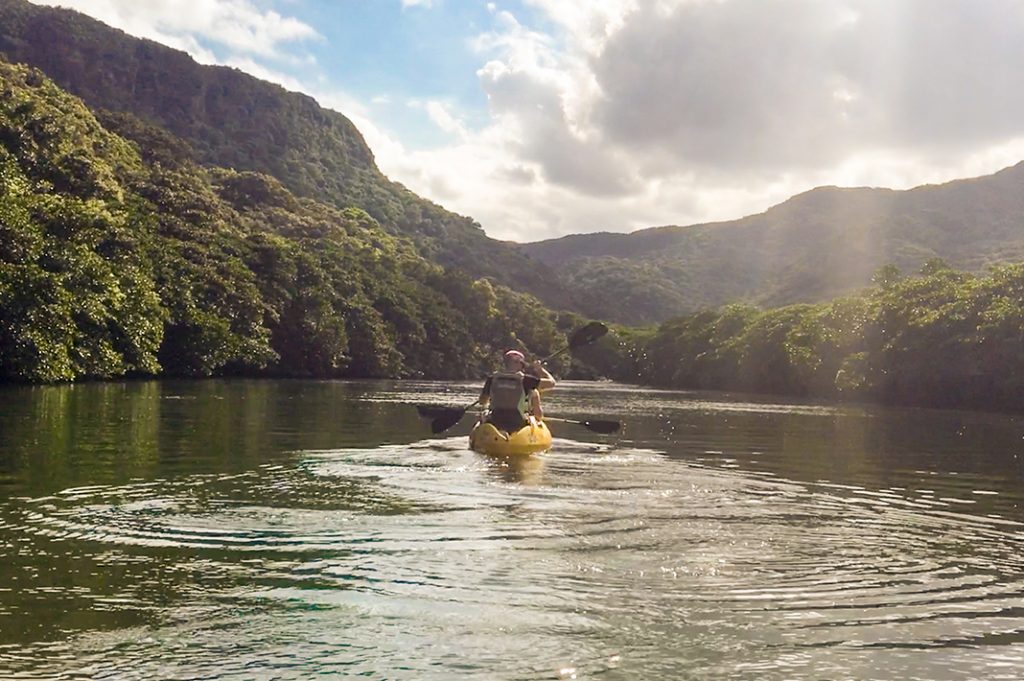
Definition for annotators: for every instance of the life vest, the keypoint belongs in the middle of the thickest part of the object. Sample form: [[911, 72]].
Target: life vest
[[507, 393]]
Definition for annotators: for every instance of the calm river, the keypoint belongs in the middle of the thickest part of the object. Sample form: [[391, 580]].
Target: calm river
[[293, 529]]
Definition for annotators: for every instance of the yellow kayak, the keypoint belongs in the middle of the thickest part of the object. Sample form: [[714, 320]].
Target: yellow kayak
[[530, 439]]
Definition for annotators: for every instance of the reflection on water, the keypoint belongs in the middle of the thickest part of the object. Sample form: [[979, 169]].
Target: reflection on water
[[241, 529]]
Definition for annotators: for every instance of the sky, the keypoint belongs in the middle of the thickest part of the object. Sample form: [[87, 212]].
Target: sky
[[540, 118]]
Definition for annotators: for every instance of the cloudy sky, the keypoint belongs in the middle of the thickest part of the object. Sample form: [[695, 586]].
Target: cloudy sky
[[540, 118]]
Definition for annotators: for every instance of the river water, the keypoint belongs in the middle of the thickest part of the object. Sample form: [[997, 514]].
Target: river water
[[293, 529]]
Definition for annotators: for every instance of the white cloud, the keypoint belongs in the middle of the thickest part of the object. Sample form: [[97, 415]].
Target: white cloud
[[441, 114], [654, 112], [748, 85]]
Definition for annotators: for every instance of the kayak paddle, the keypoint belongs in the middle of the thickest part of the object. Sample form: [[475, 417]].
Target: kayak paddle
[[604, 427]]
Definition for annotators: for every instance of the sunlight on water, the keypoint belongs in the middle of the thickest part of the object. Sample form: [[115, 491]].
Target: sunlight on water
[[714, 553]]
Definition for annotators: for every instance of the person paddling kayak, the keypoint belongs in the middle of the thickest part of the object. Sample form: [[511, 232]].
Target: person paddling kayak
[[514, 393]]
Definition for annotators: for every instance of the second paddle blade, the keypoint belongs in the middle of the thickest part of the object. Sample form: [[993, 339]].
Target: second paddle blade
[[603, 427], [587, 334]]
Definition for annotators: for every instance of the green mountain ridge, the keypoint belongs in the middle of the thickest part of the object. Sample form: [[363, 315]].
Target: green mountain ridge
[[233, 120], [812, 247], [121, 256]]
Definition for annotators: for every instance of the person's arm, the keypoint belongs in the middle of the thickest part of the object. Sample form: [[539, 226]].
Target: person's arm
[[545, 380], [535, 405]]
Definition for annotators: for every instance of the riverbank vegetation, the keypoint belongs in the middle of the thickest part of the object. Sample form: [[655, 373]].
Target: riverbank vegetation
[[941, 338]]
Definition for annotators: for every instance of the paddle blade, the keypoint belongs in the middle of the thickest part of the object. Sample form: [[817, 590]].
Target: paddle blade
[[603, 427], [446, 421], [443, 418], [587, 334]]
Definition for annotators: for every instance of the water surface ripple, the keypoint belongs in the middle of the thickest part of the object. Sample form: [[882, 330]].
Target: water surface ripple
[[646, 556]]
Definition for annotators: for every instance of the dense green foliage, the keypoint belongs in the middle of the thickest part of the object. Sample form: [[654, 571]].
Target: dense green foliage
[[119, 256], [226, 118], [76, 297], [941, 338]]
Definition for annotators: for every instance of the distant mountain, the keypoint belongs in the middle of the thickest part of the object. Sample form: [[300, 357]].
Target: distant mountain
[[819, 244], [232, 120]]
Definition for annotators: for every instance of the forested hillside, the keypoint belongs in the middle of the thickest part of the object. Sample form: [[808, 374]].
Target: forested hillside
[[119, 255], [230, 119], [815, 246]]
